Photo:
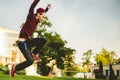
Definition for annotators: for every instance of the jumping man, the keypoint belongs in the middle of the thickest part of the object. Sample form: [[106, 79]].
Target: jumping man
[[25, 38]]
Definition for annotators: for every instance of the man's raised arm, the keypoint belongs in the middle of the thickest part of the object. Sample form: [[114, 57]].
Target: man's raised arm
[[33, 5]]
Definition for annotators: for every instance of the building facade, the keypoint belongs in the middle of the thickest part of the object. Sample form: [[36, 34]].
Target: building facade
[[106, 71], [9, 54]]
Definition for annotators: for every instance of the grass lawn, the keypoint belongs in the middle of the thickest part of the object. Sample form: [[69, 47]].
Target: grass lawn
[[24, 77], [4, 76]]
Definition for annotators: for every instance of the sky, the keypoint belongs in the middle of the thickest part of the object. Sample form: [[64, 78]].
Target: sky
[[84, 24]]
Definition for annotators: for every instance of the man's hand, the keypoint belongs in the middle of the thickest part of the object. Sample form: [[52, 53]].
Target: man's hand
[[49, 6]]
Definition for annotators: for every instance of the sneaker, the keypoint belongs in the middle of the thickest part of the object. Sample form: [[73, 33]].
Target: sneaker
[[37, 59], [12, 71]]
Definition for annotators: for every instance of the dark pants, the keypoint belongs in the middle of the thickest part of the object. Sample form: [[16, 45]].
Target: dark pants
[[25, 48]]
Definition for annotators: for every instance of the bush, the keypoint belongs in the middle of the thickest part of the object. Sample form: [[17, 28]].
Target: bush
[[4, 69], [113, 77], [44, 70], [100, 76]]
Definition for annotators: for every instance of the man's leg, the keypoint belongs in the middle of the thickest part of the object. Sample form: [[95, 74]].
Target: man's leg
[[25, 49], [38, 43]]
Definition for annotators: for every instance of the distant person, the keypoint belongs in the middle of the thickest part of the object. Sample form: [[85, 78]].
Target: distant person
[[26, 41]]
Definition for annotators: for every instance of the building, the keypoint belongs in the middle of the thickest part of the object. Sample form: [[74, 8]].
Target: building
[[10, 54], [106, 71]]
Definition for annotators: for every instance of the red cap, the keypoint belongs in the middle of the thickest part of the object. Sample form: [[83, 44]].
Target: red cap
[[39, 10]]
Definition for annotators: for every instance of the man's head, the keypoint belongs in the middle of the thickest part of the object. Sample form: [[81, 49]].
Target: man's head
[[40, 14], [40, 10]]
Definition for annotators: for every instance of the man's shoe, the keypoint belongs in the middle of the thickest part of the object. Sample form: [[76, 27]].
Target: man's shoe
[[12, 71], [37, 59]]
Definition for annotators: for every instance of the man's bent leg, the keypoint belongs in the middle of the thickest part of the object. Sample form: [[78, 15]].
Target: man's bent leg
[[38, 43]]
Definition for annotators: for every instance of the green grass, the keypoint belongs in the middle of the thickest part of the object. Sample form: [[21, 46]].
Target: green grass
[[4, 76], [24, 77]]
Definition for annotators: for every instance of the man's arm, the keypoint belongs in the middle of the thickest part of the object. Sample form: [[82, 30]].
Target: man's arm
[[48, 7], [33, 6]]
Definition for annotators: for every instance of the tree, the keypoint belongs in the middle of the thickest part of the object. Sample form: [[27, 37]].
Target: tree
[[118, 61], [101, 67], [70, 67], [110, 59], [99, 58], [86, 61], [112, 74], [54, 52], [107, 58]]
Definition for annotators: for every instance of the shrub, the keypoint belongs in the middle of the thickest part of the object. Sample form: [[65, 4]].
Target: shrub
[[101, 76]]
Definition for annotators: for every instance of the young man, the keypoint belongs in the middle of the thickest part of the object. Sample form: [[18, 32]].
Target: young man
[[26, 42]]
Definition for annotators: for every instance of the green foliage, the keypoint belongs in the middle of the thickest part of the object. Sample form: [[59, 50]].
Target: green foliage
[[65, 57], [45, 22], [105, 56], [43, 69], [54, 52], [100, 76], [4, 69], [71, 69], [87, 56], [99, 73], [101, 67], [54, 40], [117, 61], [86, 61]]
